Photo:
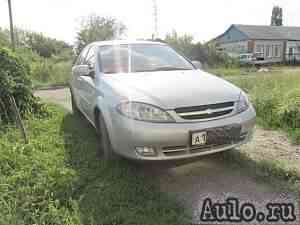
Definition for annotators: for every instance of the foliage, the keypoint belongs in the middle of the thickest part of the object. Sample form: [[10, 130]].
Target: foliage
[[222, 71], [59, 178], [97, 28], [276, 19], [205, 53], [276, 97], [182, 43], [49, 72], [37, 42], [50, 60], [15, 81], [55, 70], [4, 38], [211, 57]]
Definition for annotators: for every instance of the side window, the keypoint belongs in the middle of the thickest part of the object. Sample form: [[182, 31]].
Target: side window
[[81, 57], [90, 59]]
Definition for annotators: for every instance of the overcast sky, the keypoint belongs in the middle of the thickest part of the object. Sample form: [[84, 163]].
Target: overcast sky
[[204, 19]]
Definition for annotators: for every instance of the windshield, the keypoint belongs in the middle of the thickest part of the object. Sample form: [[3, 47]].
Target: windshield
[[141, 58]]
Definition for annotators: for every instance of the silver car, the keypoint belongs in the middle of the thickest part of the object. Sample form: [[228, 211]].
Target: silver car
[[148, 102]]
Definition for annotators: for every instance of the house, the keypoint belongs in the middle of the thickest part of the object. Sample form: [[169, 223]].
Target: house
[[269, 44]]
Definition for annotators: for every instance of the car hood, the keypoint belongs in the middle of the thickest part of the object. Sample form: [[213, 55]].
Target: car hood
[[173, 89]]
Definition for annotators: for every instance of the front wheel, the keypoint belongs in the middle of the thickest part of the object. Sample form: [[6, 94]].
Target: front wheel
[[105, 143]]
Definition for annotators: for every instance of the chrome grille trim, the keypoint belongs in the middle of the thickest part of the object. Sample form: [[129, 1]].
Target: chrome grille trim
[[205, 111], [174, 150], [208, 111]]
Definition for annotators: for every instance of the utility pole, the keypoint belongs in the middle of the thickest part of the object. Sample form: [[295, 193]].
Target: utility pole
[[12, 36], [12, 101], [155, 33]]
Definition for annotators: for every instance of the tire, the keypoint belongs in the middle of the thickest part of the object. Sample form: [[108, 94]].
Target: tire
[[75, 109], [105, 144]]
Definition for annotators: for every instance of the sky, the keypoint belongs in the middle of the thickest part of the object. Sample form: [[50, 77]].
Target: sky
[[204, 19]]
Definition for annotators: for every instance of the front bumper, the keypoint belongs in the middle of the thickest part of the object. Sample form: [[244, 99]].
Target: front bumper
[[172, 140]]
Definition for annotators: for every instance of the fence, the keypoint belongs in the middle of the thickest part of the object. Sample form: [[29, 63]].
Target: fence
[[293, 59]]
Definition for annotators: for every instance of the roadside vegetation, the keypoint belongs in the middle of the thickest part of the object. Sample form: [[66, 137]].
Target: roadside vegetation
[[16, 83], [276, 97], [233, 70], [60, 178], [49, 60], [206, 53]]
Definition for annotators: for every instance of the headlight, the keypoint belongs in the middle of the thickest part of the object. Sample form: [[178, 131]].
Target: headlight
[[144, 112], [243, 103]]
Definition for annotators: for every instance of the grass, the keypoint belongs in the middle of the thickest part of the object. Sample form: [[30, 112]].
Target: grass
[[276, 97], [60, 178], [231, 71], [50, 73], [238, 71]]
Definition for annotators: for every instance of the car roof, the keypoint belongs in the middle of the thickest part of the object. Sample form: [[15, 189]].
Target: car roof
[[126, 42]]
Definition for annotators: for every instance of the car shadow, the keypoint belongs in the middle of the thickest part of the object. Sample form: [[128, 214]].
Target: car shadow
[[101, 186]]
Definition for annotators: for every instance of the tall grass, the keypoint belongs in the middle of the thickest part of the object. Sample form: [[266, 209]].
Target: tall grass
[[55, 70], [48, 73], [276, 97], [60, 178]]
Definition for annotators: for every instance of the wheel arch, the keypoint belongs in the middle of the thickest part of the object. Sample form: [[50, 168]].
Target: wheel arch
[[100, 109]]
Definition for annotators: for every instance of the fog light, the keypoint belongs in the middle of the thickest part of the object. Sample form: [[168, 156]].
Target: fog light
[[145, 151]]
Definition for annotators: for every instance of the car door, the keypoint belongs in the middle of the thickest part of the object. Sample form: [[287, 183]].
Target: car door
[[77, 81], [88, 84]]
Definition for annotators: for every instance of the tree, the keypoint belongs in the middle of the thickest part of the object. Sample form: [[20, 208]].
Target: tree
[[4, 38], [205, 53], [44, 46], [37, 42], [98, 28], [276, 19], [183, 44]]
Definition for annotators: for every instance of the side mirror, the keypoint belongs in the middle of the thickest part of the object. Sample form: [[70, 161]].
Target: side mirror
[[197, 64], [86, 70]]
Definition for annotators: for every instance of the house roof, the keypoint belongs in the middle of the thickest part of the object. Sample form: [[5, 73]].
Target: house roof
[[269, 32]]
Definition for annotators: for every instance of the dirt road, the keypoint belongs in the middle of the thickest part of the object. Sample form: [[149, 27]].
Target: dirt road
[[209, 177]]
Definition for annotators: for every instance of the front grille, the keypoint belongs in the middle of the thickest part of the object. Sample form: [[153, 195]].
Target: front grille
[[205, 111], [223, 135]]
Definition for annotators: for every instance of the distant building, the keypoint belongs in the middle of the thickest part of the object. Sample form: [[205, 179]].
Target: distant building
[[268, 44]]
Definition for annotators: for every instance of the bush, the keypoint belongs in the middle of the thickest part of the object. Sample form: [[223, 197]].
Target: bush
[[15, 81], [49, 72], [289, 110]]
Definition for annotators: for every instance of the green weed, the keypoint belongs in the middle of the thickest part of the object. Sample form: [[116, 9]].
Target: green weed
[[60, 178]]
